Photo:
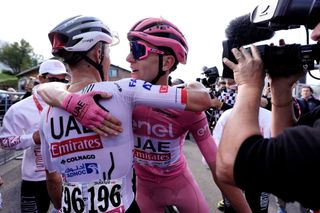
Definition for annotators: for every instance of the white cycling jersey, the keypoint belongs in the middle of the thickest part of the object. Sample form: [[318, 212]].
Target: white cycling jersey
[[19, 123], [264, 124], [95, 168]]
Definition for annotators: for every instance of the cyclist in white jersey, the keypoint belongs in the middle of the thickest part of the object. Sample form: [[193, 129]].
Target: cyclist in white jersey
[[20, 131], [97, 171], [163, 175]]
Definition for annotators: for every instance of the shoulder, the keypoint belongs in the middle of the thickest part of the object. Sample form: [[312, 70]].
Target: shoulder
[[225, 115]]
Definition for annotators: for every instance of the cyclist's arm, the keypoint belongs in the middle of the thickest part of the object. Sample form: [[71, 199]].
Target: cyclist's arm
[[54, 186], [100, 121], [53, 93], [198, 98], [12, 133]]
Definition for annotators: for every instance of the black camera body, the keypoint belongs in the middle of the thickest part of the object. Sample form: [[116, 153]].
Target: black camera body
[[211, 76], [262, 23], [279, 61]]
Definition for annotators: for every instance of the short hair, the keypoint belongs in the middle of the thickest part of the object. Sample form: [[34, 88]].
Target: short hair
[[307, 86]]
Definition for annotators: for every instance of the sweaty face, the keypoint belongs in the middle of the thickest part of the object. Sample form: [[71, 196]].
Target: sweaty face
[[144, 69]]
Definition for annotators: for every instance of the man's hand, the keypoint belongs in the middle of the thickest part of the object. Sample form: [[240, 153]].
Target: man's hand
[[249, 69], [36, 137], [86, 109]]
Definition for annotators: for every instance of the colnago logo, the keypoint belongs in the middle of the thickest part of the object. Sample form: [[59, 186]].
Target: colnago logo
[[157, 130], [77, 158], [75, 145]]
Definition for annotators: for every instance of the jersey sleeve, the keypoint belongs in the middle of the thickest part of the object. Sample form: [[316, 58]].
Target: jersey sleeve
[[201, 132], [12, 133], [162, 96]]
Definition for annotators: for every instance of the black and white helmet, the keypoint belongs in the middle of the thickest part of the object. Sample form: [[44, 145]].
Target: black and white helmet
[[79, 34]]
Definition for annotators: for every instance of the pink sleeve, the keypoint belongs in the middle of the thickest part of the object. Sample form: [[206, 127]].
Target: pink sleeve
[[202, 135]]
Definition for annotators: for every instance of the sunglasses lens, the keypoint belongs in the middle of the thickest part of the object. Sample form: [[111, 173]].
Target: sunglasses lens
[[53, 79], [137, 50]]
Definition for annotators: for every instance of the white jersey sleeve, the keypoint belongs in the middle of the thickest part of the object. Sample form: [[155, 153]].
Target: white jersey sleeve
[[15, 132], [264, 124], [139, 92], [217, 132]]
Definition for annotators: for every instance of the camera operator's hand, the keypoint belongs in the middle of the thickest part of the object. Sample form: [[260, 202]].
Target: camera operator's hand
[[281, 87], [249, 69]]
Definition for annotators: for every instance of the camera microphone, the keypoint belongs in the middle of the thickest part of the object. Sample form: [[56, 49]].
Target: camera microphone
[[242, 31]]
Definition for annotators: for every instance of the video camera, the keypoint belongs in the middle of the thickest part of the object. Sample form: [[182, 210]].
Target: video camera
[[211, 76], [261, 25]]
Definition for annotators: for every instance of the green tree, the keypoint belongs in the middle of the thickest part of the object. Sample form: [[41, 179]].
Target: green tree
[[19, 56]]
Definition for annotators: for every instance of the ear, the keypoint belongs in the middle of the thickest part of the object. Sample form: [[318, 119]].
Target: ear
[[168, 62], [95, 54]]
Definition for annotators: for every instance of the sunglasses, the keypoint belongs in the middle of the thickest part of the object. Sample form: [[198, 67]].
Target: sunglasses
[[141, 51], [53, 79]]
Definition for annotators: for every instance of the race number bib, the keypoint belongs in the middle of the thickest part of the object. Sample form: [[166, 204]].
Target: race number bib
[[101, 196]]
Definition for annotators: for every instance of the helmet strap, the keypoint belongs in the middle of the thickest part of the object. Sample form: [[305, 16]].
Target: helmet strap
[[99, 65], [160, 71]]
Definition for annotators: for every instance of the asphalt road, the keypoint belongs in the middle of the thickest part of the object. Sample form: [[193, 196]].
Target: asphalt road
[[11, 175]]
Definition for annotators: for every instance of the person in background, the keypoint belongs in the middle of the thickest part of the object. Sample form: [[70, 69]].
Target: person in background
[[31, 82], [266, 97], [258, 201], [20, 131], [13, 97], [307, 101], [177, 81]]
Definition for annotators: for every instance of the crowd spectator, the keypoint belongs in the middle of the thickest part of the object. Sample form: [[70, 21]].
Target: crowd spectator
[[307, 101], [20, 131]]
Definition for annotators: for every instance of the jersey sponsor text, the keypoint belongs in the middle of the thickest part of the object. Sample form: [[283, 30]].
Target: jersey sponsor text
[[73, 145], [152, 156], [72, 125], [157, 130]]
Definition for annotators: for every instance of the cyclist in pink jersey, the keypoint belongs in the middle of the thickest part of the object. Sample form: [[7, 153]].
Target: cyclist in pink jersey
[[96, 171], [163, 177]]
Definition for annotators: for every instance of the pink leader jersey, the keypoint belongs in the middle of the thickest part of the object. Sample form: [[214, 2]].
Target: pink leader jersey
[[95, 169], [159, 138]]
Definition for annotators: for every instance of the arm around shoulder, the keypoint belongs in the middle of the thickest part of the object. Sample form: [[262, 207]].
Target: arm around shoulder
[[53, 93]]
